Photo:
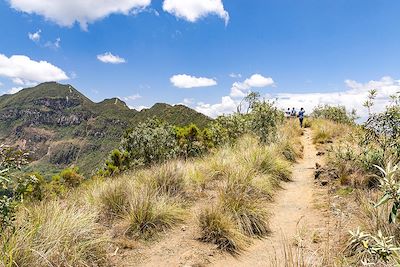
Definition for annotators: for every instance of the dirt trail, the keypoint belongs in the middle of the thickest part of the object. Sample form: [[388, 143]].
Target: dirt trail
[[294, 215], [293, 209]]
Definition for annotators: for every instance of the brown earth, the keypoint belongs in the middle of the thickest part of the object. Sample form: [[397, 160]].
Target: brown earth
[[298, 230]]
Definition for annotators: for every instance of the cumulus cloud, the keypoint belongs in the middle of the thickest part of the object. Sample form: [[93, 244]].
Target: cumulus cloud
[[241, 89], [35, 36], [187, 81], [67, 12], [352, 97], [227, 105], [193, 10], [24, 71], [110, 58]]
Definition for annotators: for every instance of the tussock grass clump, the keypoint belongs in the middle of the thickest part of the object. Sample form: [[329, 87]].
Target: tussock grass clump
[[220, 229], [288, 143], [169, 179], [113, 198], [148, 214], [265, 160], [238, 199], [325, 131], [54, 234]]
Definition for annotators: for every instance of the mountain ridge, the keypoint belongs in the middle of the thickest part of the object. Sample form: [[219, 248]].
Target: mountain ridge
[[62, 127]]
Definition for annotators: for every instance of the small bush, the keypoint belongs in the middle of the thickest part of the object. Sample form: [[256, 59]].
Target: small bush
[[113, 198], [148, 214], [237, 198], [218, 228], [337, 114], [69, 177], [169, 179]]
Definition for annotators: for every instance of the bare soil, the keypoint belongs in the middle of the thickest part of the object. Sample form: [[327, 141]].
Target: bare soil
[[298, 222]]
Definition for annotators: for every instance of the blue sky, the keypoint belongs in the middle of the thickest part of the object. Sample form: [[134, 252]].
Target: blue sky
[[205, 53]]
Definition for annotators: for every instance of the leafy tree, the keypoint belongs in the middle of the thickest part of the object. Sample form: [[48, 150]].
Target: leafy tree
[[151, 141]]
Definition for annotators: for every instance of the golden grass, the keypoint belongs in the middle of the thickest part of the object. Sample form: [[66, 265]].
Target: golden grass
[[70, 232], [54, 234], [326, 131], [219, 228], [248, 175]]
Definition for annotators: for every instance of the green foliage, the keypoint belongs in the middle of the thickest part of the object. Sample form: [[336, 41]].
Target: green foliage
[[156, 141], [264, 120], [150, 142], [372, 248], [383, 129], [12, 189], [390, 185], [191, 140], [334, 113], [68, 178]]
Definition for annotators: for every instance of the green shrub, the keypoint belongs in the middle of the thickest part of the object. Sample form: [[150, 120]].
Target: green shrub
[[191, 141], [69, 177], [150, 142], [334, 113]]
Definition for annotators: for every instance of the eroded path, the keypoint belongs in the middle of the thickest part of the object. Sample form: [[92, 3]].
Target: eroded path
[[296, 223]]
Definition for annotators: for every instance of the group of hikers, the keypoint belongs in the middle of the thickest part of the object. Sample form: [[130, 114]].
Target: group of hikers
[[293, 114]]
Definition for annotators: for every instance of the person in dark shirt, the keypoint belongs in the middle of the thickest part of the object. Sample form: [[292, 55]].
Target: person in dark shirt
[[293, 113], [301, 116]]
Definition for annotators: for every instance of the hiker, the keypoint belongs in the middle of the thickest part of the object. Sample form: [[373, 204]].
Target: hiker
[[301, 116], [287, 113], [293, 113]]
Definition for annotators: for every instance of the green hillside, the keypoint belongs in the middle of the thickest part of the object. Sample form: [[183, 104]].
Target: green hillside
[[62, 127]]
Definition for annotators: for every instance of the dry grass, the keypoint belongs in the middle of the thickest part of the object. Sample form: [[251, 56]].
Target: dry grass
[[55, 234], [139, 205], [325, 131], [148, 214], [220, 229], [248, 175]]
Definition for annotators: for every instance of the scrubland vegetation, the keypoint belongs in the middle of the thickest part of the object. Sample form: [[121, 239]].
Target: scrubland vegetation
[[363, 172], [149, 185], [225, 174]]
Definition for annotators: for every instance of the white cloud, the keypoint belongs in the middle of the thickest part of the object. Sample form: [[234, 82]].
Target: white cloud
[[1, 84], [241, 89], [187, 81], [227, 105], [235, 75], [110, 58], [139, 108], [131, 97], [353, 97], [24, 71], [193, 10], [188, 101], [14, 90], [35, 36], [67, 12]]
